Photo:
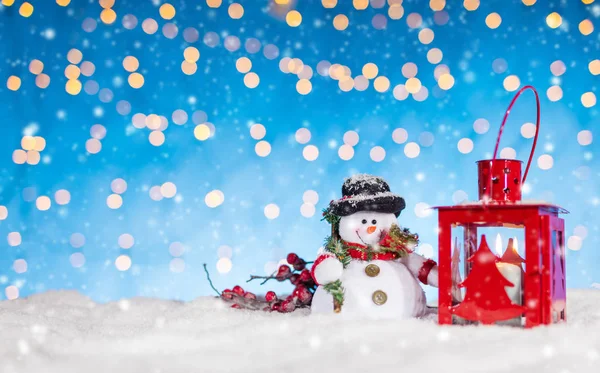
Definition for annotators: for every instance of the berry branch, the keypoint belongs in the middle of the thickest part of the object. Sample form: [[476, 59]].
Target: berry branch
[[296, 272]]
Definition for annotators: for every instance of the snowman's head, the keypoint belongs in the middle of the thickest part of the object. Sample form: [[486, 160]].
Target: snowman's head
[[366, 227]]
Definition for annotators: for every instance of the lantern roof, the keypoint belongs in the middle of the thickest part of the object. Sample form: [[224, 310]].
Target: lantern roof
[[494, 205]]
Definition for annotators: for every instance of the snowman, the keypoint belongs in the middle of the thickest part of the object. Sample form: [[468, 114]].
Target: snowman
[[368, 268]]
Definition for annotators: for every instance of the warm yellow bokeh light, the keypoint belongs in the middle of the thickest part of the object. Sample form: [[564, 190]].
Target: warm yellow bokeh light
[[19, 156], [108, 16], [107, 3], [202, 132], [329, 4], [63, 2], [395, 11], [381, 84], [340, 22], [243, 64], [135, 80], [434, 56], [493, 20], [304, 86], [191, 54], [471, 5], [74, 56], [189, 68], [588, 99], [40, 143], [293, 18], [554, 93], [33, 157], [554, 20], [346, 84], [426, 36], [26, 9], [36, 67], [437, 5], [594, 67], [214, 3], [131, 64], [114, 201], [360, 4], [413, 85], [72, 72], [446, 81], [511, 83], [586, 27], [370, 70], [251, 80], [236, 11], [42, 81], [167, 11], [156, 138], [73, 87], [13, 83], [587, 2], [43, 203], [7, 2], [27, 143], [529, 2]]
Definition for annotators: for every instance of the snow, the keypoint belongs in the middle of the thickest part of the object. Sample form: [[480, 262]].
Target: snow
[[67, 332]]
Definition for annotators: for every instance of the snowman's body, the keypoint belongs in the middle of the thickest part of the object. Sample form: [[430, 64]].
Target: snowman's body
[[386, 289]]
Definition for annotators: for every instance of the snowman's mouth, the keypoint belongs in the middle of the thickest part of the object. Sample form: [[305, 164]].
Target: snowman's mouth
[[363, 241]]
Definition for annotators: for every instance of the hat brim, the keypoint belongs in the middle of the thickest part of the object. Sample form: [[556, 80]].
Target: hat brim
[[386, 203]]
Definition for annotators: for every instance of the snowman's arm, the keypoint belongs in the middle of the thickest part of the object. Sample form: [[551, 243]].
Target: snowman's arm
[[426, 270], [326, 269]]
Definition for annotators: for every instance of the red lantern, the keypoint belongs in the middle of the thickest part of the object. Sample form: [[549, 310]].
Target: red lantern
[[500, 290]]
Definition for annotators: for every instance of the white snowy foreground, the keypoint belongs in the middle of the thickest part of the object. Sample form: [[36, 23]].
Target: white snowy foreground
[[67, 332]]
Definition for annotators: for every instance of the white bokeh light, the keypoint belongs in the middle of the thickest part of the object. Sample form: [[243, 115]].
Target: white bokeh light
[[481, 126], [412, 150], [310, 153], [465, 145], [528, 130], [400, 135], [545, 162], [508, 153], [377, 154], [422, 210], [271, 211], [307, 210], [310, 196], [224, 265], [584, 138], [351, 138], [303, 135], [574, 243]]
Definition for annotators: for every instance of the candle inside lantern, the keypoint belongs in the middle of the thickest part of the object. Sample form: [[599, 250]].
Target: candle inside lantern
[[510, 267]]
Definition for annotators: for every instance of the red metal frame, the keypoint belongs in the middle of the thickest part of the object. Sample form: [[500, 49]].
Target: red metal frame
[[540, 222]]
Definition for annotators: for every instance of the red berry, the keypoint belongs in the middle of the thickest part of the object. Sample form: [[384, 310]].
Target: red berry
[[292, 258], [238, 290], [305, 276], [295, 278], [283, 272], [227, 294], [276, 306], [249, 295], [270, 296], [287, 306], [236, 306], [300, 265], [302, 294]]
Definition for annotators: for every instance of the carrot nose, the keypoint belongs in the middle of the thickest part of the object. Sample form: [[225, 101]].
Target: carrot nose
[[371, 229]]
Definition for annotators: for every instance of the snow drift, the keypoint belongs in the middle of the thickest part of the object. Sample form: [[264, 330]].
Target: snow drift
[[67, 332]]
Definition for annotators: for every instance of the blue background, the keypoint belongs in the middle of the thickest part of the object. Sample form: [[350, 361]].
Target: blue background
[[228, 162]]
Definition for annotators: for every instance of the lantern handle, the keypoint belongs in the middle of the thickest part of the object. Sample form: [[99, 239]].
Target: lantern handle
[[537, 129]]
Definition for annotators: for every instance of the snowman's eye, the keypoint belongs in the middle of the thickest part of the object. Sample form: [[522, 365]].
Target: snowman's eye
[[373, 221], [364, 221]]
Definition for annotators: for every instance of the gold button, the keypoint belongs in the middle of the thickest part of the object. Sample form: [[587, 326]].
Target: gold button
[[372, 270], [379, 297]]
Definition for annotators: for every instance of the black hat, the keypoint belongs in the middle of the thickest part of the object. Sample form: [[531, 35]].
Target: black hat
[[366, 193]]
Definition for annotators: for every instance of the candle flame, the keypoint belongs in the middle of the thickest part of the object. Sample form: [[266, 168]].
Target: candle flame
[[516, 244], [499, 244]]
